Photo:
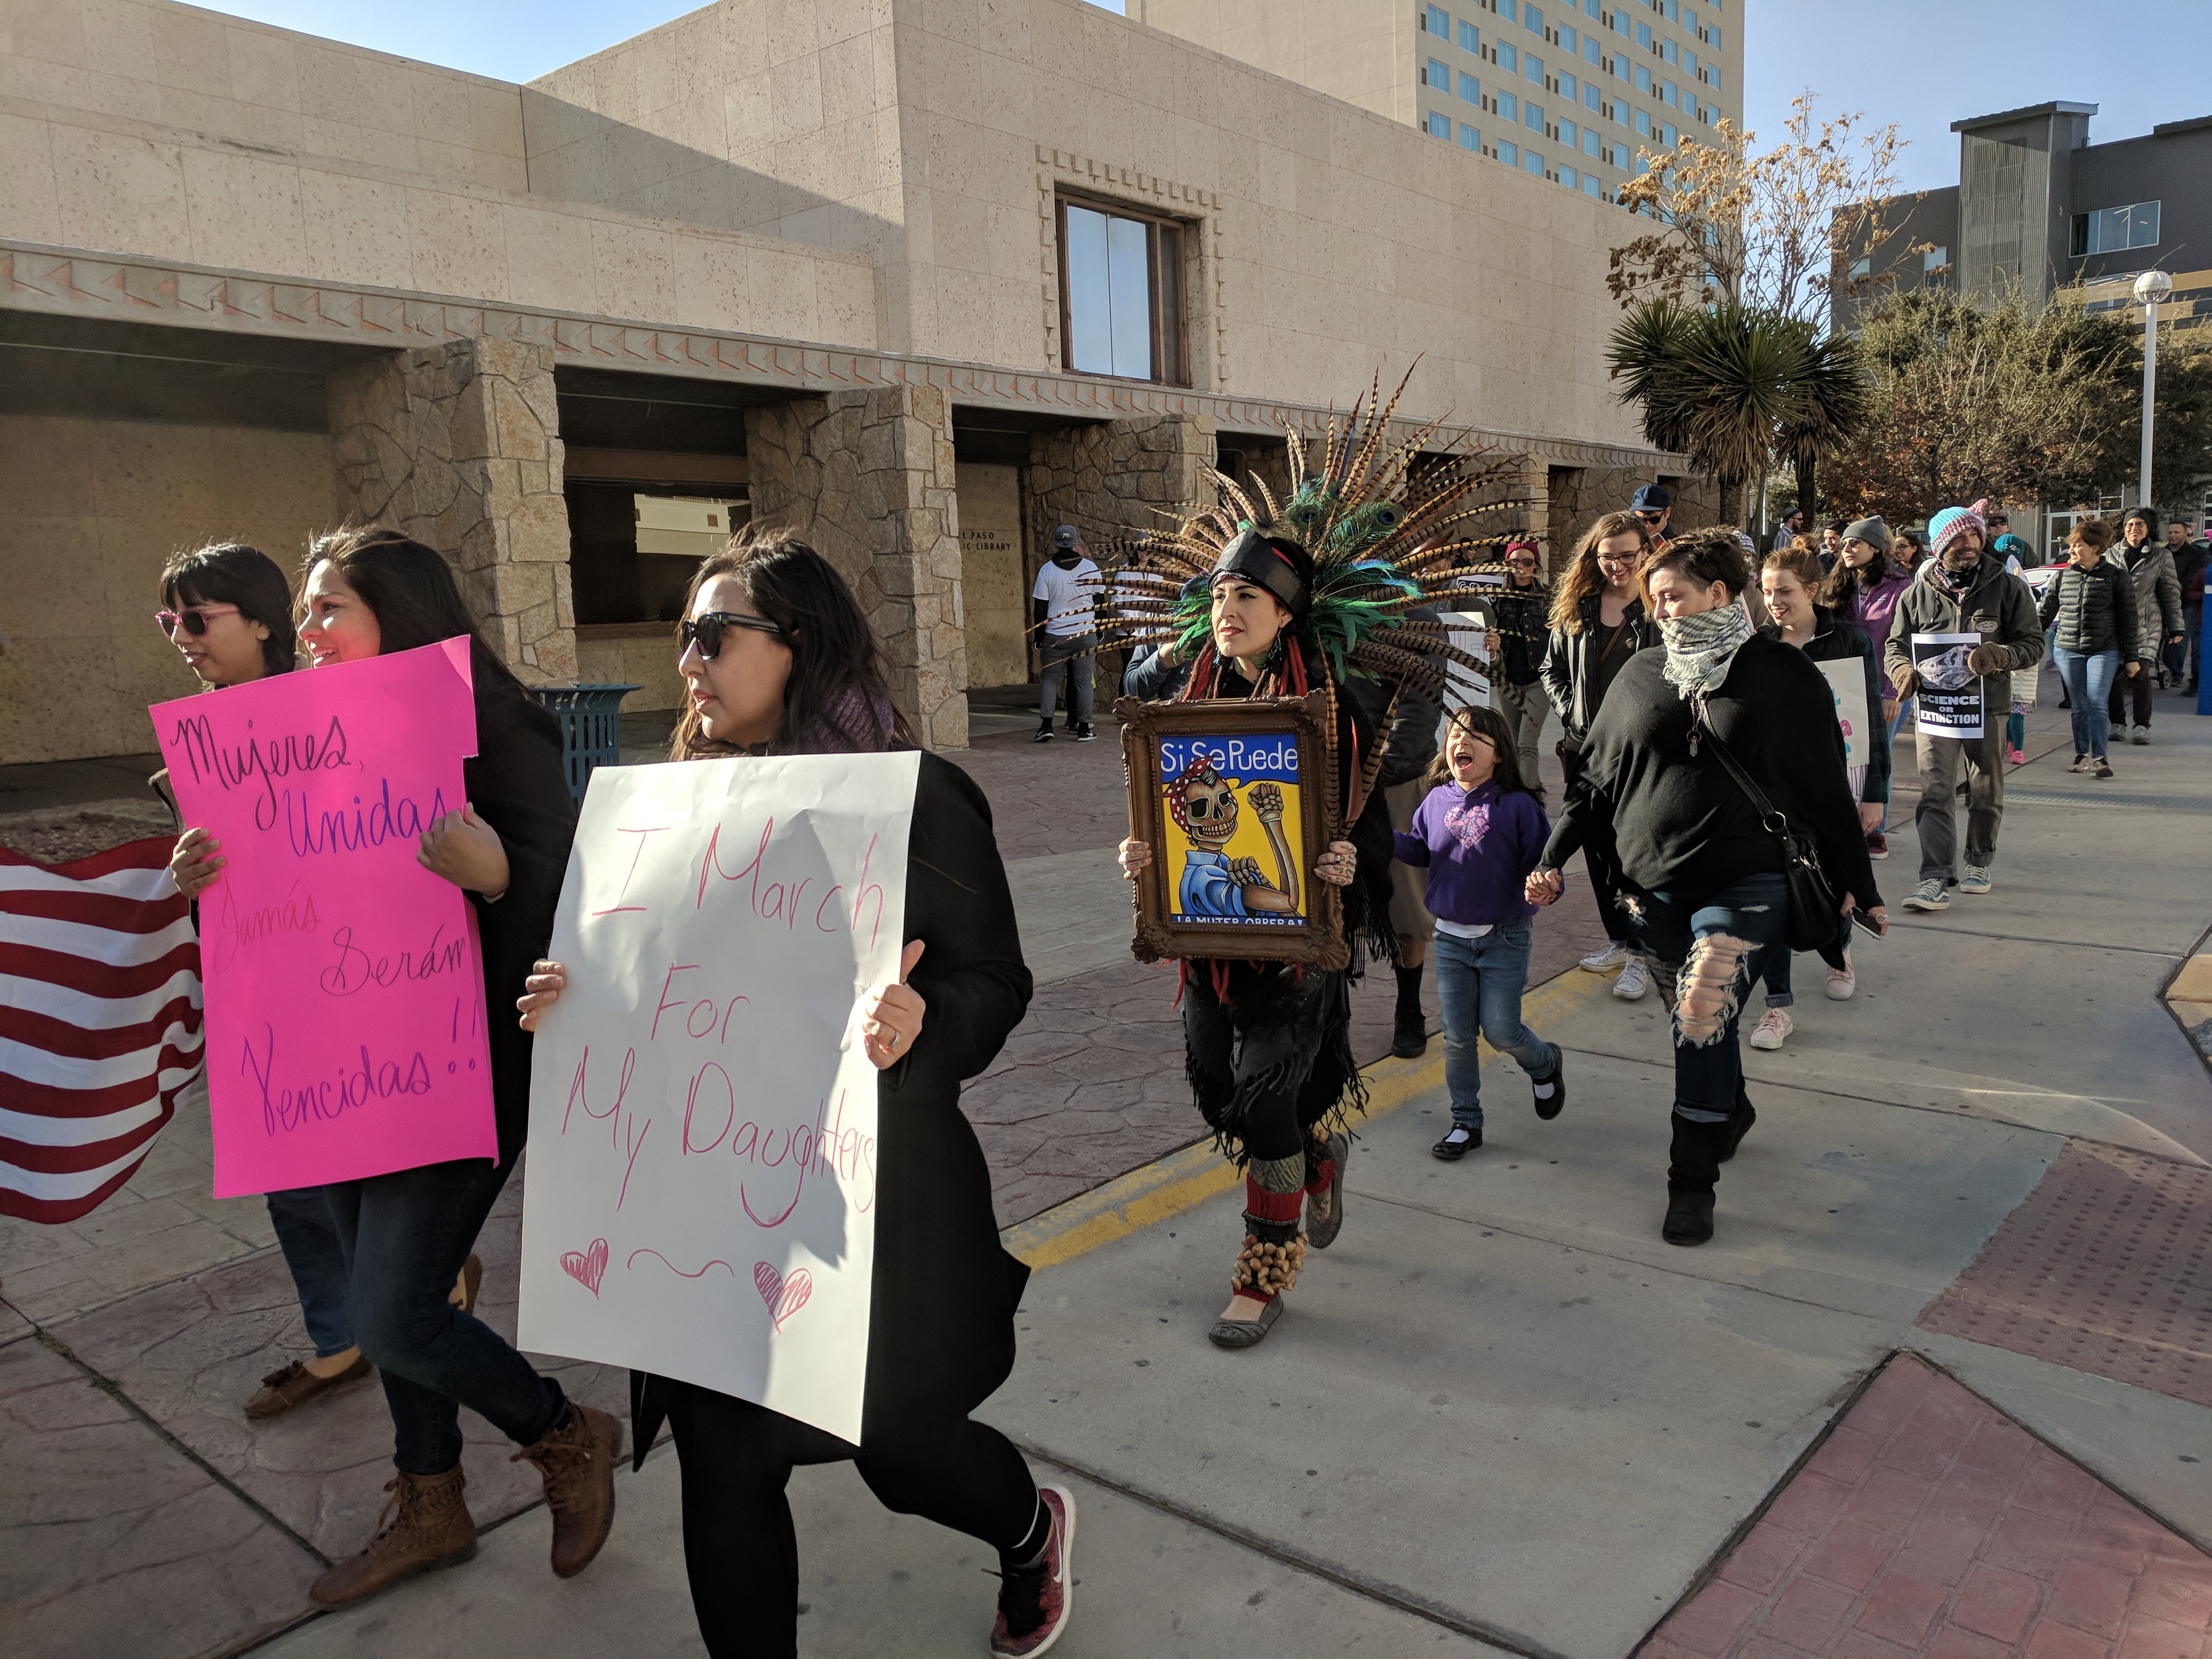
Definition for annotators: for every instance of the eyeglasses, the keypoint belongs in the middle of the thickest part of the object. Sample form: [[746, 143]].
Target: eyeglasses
[[1522, 564], [195, 619], [1616, 558], [706, 631], [1651, 517]]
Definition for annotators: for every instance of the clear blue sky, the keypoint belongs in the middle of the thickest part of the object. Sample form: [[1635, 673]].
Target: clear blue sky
[[1922, 63]]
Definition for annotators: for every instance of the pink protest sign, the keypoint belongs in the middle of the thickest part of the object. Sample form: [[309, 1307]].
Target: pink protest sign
[[345, 987]]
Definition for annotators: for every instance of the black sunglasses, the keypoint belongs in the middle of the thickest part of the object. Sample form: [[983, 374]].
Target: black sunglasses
[[1651, 517], [706, 631]]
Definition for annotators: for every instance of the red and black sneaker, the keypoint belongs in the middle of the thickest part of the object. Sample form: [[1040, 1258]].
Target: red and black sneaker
[[1033, 1604]]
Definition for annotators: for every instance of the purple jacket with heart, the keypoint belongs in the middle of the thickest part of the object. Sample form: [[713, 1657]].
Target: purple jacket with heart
[[1478, 847]]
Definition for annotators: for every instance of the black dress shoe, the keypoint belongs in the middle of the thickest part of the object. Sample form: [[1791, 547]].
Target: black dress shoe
[[1409, 1038], [1452, 1150], [1548, 1109]]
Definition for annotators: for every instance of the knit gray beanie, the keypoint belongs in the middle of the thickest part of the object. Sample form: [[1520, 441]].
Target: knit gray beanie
[[1873, 531]]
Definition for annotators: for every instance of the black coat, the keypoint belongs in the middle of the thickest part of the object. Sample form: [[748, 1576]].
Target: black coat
[[2094, 609], [1571, 662], [518, 785], [1680, 823], [941, 1321], [1838, 639]]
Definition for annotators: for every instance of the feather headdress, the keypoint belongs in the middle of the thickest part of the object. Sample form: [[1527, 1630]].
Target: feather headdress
[[1390, 527]]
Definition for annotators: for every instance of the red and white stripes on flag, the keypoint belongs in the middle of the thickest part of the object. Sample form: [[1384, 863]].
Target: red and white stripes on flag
[[100, 1023]]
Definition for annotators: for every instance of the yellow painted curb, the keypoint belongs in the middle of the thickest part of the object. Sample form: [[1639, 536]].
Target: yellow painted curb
[[1184, 1179]]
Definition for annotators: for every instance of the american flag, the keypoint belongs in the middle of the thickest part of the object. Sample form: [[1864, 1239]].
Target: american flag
[[100, 1023]]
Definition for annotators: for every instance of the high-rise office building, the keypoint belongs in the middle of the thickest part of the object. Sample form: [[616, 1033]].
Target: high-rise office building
[[1569, 90]]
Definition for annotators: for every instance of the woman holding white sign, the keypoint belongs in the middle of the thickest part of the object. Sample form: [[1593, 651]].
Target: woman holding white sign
[[780, 659], [1788, 580], [370, 592]]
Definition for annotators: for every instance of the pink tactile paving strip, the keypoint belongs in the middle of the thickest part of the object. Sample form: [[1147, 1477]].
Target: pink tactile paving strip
[[2107, 1267], [1929, 1522]]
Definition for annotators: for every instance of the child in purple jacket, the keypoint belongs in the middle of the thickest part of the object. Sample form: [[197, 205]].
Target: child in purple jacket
[[1479, 833]]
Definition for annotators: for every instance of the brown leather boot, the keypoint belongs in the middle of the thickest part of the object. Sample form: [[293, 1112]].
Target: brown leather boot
[[578, 1461], [433, 1528]]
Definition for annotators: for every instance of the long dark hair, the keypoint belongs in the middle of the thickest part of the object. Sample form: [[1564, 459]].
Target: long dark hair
[[231, 573], [1845, 579], [1485, 723], [1583, 578], [411, 589], [838, 696]]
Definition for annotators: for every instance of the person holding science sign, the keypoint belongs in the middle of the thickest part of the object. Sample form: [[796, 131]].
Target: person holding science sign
[[404, 1235], [778, 659]]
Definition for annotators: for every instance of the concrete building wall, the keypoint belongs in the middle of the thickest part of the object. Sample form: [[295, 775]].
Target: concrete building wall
[[935, 138], [994, 593], [91, 511], [1360, 51]]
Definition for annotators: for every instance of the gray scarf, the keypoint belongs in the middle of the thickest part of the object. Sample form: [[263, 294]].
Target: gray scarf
[[1700, 650]]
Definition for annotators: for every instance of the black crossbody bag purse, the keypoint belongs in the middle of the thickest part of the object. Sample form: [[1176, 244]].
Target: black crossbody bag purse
[[1815, 906]]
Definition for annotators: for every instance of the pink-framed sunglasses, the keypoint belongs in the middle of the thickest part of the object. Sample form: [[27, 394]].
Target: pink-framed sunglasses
[[194, 617]]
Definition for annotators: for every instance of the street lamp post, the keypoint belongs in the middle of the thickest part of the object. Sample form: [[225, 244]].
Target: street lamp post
[[2150, 288]]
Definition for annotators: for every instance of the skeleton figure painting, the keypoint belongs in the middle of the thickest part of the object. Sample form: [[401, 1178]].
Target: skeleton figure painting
[[1217, 840]]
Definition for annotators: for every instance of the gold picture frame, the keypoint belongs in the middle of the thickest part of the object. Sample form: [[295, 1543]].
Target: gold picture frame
[[1232, 798]]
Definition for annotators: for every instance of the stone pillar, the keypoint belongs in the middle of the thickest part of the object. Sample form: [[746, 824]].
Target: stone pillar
[[460, 445], [867, 478], [1110, 477]]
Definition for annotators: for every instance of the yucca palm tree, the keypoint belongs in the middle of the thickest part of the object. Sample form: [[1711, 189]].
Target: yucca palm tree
[[1729, 386]]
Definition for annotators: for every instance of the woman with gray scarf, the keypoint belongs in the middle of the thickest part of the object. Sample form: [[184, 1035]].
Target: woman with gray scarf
[[1704, 886]]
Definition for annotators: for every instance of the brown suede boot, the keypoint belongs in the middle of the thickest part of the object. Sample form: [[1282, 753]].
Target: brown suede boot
[[433, 1528], [578, 1461]]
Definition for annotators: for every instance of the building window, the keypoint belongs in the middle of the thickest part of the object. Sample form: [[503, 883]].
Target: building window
[[1438, 22], [1508, 152], [1508, 59], [1861, 267], [1532, 162], [1440, 125], [1644, 36], [1668, 136], [1643, 79], [1533, 119], [1508, 10], [1642, 124], [1569, 178], [1935, 260], [1589, 184], [1469, 40], [1591, 8], [1619, 69], [1470, 138], [1532, 19], [1590, 100], [1508, 106], [1120, 294], [1568, 90], [1470, 89], [1437, 75], [1669, 96], [1670, 52], [1590, 53], [2115, 229], [1532, 67], [1590, 145]]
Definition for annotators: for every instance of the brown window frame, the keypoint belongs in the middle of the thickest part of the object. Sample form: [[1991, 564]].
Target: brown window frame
[[1170, 315]]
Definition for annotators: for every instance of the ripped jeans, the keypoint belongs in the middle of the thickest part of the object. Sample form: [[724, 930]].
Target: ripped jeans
[[1706, 951]]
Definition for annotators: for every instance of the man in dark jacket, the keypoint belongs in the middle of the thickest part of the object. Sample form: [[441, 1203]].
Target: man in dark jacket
[[2158, 620], [1963, 589], [1518, 614], [2190, 557]]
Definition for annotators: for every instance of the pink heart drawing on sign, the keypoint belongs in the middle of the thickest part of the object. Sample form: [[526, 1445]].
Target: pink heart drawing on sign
[[587, 1267], [784, 1297]]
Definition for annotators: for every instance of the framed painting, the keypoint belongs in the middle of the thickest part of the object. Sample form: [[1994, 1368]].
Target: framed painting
[[1232, 799]]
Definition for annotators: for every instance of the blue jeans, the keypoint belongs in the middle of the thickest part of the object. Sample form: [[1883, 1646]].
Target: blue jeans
[[1707, 949], [1479, 982], [405, 1236], [1904, 708], [2088, 682], [302, 1220]]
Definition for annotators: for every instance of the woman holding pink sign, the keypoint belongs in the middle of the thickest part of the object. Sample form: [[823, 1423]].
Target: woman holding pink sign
[[406, 1234], [780, 659]]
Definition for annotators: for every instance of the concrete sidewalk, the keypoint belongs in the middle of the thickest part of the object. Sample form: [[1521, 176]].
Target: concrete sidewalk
[[1500, 1414]]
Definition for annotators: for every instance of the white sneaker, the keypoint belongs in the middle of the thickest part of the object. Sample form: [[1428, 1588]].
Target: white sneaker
[[1605, 961], [1975, 880], [1843, 982], [1774, 1025], [1635, 979]]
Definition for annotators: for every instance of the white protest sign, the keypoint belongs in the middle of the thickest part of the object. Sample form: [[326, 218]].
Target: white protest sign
[[1847, 680], [1948, 704], [1470, 630], [702, 1118]]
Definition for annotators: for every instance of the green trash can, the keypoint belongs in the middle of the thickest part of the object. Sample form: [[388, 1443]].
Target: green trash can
[[591, 727]]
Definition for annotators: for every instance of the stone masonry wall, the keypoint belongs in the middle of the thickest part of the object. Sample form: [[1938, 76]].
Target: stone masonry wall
[[460, 445], [1108, 479], [868, 478]]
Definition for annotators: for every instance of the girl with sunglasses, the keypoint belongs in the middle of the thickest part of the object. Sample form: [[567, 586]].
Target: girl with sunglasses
[[779, 658], [228, 610], [405, 1233]]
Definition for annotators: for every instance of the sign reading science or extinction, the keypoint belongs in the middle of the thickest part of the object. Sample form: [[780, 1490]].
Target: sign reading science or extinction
[[344, 985], [702, 1116]]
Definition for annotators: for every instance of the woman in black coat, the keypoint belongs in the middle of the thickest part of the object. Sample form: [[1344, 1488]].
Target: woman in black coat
[[1704, 881], [780, 659], [406, 1235]]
